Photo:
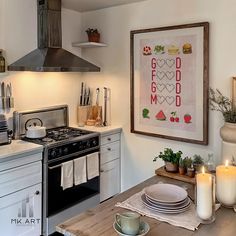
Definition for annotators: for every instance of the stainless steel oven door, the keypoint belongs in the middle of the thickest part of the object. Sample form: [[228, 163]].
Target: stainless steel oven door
[[56, 200]]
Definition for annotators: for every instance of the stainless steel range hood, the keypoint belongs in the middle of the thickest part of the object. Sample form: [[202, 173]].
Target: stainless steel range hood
[[50, 56]]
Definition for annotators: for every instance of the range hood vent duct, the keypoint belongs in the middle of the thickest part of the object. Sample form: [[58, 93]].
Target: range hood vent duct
[[50, 56]]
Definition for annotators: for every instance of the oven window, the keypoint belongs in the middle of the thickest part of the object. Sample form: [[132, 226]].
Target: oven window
[[59, 199]]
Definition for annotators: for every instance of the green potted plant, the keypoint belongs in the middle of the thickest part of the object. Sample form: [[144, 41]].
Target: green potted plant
[[221, 103], [189, 166], [93, 35], [198, 162], [170, 158], [182, 167]]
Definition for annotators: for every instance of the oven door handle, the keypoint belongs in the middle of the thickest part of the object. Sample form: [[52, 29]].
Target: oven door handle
[[54, 167]]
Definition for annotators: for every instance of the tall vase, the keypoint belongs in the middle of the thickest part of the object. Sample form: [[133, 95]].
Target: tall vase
[[228, 135]]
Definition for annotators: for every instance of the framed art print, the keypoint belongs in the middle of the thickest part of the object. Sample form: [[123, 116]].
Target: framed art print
[[169, 82]]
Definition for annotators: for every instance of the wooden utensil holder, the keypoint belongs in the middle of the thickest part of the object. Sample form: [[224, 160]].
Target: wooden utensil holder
[[82, 115]]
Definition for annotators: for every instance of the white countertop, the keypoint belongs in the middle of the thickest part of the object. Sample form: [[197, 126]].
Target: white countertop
[[102, 130], [18, 147]]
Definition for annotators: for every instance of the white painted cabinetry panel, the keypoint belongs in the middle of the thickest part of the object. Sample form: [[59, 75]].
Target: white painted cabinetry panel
[[110, 165], [20, 212], [110, 179], [20, 177], [110, 152]]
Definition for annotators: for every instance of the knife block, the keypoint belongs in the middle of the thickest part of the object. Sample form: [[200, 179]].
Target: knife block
[[82, 115]]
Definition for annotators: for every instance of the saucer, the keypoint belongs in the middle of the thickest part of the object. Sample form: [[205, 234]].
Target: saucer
[[143, 229]]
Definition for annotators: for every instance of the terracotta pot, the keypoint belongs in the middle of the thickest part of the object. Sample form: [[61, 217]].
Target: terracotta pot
[[170, 167], [182, 170], [228, 132], [190, 172], [94, 37]]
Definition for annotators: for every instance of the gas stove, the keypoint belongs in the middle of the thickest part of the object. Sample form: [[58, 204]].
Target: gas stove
[[62, 144], [59, 136]]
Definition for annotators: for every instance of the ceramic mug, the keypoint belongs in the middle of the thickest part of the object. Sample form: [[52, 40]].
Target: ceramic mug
[[128, 222]]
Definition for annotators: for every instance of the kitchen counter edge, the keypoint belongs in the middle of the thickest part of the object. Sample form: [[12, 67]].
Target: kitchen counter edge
[[17, 149], [102, 130]]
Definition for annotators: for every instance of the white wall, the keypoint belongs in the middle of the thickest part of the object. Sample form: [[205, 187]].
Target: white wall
[[18, 27], [115, 25], [33, 90]]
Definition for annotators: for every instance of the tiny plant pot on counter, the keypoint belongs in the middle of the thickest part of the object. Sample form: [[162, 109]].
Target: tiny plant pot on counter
[[182, 170], [190, 172], [171, 167]]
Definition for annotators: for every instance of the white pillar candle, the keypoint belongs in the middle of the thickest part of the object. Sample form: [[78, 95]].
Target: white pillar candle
[[204, 195], [226, 184]]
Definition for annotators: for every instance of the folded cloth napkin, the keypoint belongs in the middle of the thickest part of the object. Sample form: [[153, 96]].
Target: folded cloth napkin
[[187, 219], [80, 171], [92, 165], [67, 174]]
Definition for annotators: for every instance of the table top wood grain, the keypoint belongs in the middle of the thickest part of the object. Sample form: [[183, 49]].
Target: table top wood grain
[[98, 221]]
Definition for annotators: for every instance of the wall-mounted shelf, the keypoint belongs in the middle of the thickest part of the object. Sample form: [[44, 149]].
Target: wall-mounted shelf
[[88, 44]]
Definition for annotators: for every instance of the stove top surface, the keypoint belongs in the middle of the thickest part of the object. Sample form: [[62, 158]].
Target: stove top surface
[[58, 135]]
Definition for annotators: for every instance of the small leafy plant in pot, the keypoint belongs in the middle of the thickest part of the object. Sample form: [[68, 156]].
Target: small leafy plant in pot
[[198, 162], [170, 158], [190, 168], [93, 35]]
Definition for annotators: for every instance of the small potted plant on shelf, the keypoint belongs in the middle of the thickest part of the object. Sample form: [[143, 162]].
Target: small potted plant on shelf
[[189, 166], [93, 35], [198, 162], [170, 158], [182, 166], [223, 104]]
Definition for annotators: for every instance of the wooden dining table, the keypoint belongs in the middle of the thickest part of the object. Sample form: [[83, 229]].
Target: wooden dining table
[[98, 221]]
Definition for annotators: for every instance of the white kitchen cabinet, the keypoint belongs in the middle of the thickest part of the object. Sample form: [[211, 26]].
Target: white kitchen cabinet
[[20, 195], [110, 165], [20, 212]]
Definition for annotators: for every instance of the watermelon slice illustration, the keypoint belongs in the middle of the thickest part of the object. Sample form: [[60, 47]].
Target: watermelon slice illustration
[[160, 115]]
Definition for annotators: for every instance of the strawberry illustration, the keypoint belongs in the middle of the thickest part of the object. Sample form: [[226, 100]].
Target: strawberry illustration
[[187, 118]]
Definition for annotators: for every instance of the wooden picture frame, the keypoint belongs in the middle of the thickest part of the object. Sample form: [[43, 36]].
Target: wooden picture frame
[[170, 82]]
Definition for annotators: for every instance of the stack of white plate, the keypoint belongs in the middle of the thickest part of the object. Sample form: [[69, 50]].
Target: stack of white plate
[[166, 198], [3, 123]]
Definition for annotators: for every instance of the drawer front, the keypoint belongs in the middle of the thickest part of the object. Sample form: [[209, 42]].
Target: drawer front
[[109, 179], [20, 177], [110, 152], [20, 161], [110, 138]]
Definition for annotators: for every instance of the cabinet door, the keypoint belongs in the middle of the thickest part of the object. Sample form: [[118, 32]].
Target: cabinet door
[[109, 179], [20, 212]]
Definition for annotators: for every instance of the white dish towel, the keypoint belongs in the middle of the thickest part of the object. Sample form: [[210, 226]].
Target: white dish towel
[[80, 170], [67, 174], [93, 165]]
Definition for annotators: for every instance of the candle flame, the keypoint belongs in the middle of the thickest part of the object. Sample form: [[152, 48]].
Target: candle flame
[[226, 163], [203, 170]]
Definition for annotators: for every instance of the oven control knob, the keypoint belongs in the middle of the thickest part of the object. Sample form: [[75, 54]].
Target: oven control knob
[[87, 144], [65, 151], [94, 143], [59, 152], [53, 153]]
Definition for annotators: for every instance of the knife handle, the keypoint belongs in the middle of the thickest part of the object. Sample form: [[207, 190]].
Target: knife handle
[[3, 102], [10, 102]]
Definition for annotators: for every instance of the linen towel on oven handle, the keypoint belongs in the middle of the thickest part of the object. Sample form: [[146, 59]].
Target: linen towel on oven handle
[[80, 170], [67, 170], [93, 165]]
